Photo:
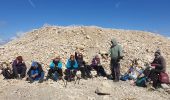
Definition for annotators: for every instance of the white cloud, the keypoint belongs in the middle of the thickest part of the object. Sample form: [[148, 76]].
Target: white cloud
[[168, 37], [32, 3], [117, 5], [2, 41], [18, 35]]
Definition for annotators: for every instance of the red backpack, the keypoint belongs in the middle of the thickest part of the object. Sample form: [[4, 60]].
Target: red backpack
[[164, 78]]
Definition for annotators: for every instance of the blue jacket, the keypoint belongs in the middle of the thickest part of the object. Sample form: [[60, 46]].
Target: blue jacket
[[52, 65], [68, 65]]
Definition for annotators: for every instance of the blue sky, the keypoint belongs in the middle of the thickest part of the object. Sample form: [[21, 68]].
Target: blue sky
[[17, 16]]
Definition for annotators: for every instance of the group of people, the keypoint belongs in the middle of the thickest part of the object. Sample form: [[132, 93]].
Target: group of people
[[76, 63]]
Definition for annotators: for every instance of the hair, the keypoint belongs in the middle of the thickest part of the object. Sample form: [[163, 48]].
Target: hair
[[19, 58], [158, 51], [72, 56]]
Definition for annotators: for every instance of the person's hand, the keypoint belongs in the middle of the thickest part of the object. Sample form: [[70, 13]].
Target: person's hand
[[34, 75]]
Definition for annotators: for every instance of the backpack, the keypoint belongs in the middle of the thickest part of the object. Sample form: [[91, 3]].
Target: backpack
[[141, 82], [164, 78]]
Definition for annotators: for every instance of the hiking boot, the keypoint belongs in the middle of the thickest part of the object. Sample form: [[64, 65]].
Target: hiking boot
[[30, 80], [40, 81], [115, 80]]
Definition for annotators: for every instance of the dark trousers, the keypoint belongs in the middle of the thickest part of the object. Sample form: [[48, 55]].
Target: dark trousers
[[115, 69], [21, 70], [38, 77], [100, 70], [71, 73], [154, 76], [52, 71], [85, 71], [6, 73]]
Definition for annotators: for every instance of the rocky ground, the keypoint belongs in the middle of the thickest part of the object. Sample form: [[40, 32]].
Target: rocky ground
[[45, 43], [85, 90]]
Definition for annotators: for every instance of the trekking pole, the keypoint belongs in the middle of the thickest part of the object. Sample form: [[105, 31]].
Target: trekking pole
[[65, 83]]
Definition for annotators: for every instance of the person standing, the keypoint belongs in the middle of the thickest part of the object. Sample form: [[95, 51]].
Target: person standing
[[116, 54]]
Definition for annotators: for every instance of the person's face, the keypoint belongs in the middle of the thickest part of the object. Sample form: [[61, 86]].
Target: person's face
[[56, 59], [71, 58], [34, 67], [80, 56], [157, 55]]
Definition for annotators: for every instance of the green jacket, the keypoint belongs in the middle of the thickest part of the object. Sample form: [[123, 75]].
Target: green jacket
[[115, 51]]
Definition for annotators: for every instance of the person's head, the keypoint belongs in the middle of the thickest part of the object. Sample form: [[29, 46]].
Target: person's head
[[80, 55], [72, 57], [97, 57], [19, 59], [34, 65], [57, 58], [113, 42], [157, 54], [135, 62]]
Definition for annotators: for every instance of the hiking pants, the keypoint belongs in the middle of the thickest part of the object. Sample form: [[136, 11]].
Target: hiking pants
[[100, 70], [21, 71], [59, 71], [115, 69]]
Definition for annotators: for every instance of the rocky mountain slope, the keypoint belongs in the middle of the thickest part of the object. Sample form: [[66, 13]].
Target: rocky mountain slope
[[45, 43]]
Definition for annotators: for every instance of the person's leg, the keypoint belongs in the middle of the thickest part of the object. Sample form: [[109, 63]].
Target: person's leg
[[41, 77], [82, 69], [6, 74], [87, 71], [60, 72], [113, 69], [97, 69], [50, 72], [102, 71], [68, 74], [74, 72], [23, 71], [15, 72], [117, 72]]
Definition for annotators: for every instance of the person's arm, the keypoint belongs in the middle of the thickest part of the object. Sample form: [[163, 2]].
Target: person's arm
[[163, 64], [52, 65], [120, 52], [76, 64], [34, 73], [60, 65], [76, 55], [68, 64]]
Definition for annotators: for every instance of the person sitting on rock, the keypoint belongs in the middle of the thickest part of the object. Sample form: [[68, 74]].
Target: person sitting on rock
[[35, 73], [134, 72], [96, 65], [72, 68], [19, 68], [55, 70], [159, 65], [85, 72], [6, 71]]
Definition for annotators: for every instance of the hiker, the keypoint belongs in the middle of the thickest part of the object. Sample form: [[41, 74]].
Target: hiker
[[72, 68], [19, 68], [6, 71], [55, 70], [158, 66], [116, 55], [96, 65], [134, 72], [85, 71], [35, 73]]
